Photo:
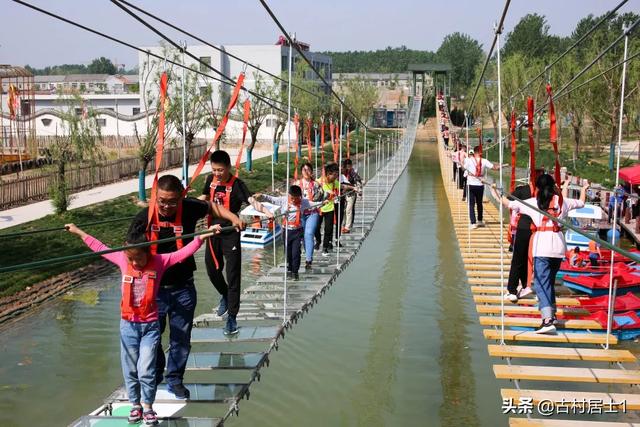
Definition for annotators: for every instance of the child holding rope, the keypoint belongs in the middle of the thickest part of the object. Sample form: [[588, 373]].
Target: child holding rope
[[139, 326]]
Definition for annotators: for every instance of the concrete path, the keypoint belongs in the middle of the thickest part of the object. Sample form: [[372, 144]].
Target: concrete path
[[22, 214]]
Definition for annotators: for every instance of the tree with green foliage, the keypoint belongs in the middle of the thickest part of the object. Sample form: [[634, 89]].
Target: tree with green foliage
[[78, 143], [389, 60], [464, 54], [530, 37], [361, 96], [102, 65]]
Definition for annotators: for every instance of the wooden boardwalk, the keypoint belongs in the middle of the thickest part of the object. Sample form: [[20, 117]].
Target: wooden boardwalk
[[564, 362]]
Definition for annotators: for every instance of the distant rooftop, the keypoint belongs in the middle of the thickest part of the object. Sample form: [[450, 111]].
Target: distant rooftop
[[9, 71]]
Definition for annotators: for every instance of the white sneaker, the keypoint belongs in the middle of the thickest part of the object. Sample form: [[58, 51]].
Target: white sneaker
[[473, 226], [480, 223], [511, 297], [546, 327], [524, 292]]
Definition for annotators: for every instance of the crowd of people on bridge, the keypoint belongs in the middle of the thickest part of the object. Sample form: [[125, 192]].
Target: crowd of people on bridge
[[537, 243], [158, 286]]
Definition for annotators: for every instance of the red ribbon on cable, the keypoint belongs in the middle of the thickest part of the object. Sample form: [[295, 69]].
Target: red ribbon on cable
[[245, 126], [480, 139], [512, 185], [532, 145], [348, 143], [153, 205], [219, 131], [296, 124], [553, 134], [308, 137]]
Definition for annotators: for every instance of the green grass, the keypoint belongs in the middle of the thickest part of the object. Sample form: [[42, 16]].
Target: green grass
[[28, 248]]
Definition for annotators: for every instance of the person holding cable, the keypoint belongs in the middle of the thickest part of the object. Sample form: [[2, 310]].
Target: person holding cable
[[174, 216]]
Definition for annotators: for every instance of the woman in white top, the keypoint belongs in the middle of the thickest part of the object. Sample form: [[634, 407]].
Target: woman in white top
[[547, 245], [476, 168]]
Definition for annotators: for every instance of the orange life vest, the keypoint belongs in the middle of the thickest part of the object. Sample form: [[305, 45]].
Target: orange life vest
[[148, 303], [295, 224], [555, 208], [156, 225], [223, 199]]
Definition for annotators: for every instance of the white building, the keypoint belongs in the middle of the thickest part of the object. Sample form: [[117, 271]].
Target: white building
[[271, 58]]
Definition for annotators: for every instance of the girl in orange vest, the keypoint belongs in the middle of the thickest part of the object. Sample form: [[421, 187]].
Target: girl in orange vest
[[139, 327]]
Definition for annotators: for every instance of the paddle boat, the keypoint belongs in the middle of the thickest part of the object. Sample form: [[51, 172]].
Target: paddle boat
[[260, 230], [626, 302], [626, 325], [584, 218], [628, 280]]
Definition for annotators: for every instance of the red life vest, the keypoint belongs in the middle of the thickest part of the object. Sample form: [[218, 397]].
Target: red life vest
[[308, 192], [156, 225], [148, 303], [223, 199], [478, 167], [555, 208], [295, 224]]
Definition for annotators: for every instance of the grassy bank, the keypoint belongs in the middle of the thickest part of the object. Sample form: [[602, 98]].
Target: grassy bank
[[27, 248]]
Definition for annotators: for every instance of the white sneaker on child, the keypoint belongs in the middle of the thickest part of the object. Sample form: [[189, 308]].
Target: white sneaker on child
[[473, 226]]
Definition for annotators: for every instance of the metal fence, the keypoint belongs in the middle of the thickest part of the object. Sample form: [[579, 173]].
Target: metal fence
[[24, 190]]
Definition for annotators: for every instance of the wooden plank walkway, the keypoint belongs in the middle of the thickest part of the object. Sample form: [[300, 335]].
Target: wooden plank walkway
[[575, 354]]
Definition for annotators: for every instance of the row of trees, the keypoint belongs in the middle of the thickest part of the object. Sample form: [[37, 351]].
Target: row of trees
[[591, 111], [100, 65]]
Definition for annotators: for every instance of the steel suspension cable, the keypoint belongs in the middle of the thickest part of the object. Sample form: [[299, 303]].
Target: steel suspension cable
[[486, 62], [227, 53], [129, 45], [315, 70], [613, 284], [231, 81], [61, 228]]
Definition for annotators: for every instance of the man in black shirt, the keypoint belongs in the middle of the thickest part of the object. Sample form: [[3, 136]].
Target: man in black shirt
[[224, 189], [177, 294]]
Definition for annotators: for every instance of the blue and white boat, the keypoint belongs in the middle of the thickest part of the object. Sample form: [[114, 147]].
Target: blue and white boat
[[259, 232], [583, 218]]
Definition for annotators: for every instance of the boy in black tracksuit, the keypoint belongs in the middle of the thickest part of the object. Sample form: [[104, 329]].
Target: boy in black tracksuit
[[222, 188]]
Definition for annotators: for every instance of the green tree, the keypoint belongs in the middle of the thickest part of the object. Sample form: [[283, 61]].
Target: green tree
[[78, 143], [464, 54], [101, 65], [361, 96], [530, 37]]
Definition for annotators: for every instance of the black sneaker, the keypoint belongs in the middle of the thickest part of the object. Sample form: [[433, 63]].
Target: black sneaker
[[546, 327], [296, 277], [231, 328], [317, 246], [308, 265], [179, 390]]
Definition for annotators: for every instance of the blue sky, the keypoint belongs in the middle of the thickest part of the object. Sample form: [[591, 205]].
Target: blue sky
[[27, 37]]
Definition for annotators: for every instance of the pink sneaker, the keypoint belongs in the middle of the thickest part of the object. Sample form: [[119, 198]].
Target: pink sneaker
[[135, 415], [150, 418]]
